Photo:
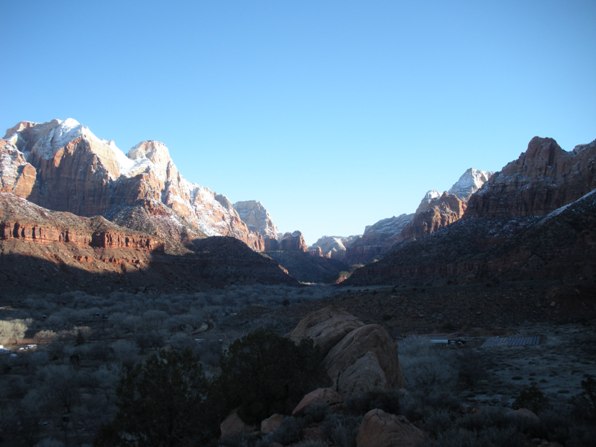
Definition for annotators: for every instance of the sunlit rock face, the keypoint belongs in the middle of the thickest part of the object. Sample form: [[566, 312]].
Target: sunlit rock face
[[258, 220], [332, 247], [542, 179], [63, 166]]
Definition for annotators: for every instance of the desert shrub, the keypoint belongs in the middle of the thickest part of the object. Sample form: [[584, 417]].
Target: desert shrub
[[490, 437], [44, 336], [585, 403], [49, 442], [148, 339], [310, 443], [160, 402], [182, 341], [289, 432], [471, 368], [532, 398], [264, 373], [125, 351], [13, 330], [316, 413], [438, 422]]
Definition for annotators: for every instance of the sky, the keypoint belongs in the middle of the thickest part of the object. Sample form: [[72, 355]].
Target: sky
[[333, 114]]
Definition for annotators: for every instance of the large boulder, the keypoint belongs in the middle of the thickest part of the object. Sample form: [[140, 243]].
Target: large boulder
[[380, 429], [320, 396], [358, 357], [233, 427], [325, 327], [364, 360]]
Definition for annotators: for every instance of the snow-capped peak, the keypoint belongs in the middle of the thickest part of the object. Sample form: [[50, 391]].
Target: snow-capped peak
[[56, 134], [470, 182], [156, 153]]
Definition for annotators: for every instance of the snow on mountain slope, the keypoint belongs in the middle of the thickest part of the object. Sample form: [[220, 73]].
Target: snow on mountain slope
[[86, 175], [470, 182]]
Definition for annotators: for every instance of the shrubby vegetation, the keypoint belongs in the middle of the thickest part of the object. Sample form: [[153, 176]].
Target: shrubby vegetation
[[107, 361], [86, 341]]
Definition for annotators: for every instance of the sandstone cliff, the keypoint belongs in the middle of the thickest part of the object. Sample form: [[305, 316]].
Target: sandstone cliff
[[16, 175], [73, 170], [542, 179], [254, 214], [51, 251]]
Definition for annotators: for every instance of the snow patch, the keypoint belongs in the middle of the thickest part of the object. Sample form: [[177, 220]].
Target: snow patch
[[561, 209], [470, 182]]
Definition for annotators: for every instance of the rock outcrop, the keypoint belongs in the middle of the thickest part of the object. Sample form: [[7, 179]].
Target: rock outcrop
[[325, 327], [332, 247], [431, 216], [293, 242], [254, 214], [358, 357], [435, 211], [364, 360], [542, 179], [76, 171], [381, 429]]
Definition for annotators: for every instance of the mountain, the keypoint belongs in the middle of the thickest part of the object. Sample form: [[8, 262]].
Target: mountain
[[535, 219], [52, 251], [332, 247], [435, 211], [63, 166], [376, 239]]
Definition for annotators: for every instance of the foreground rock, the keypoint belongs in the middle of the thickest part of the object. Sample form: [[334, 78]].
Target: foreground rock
[[321, 396], [364, 360], [380, 429], [358, 357]]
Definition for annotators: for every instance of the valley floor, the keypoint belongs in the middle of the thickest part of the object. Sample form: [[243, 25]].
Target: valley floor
[[64, 351]]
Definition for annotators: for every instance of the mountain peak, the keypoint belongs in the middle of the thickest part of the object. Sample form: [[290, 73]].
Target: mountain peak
[[470, 182], [45, 139]]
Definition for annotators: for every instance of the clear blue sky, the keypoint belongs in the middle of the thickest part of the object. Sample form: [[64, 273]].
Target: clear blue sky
[[334, 114]]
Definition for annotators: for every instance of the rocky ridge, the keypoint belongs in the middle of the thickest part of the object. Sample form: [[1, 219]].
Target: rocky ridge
[[51, 251], [519, 226], [435, 211]]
